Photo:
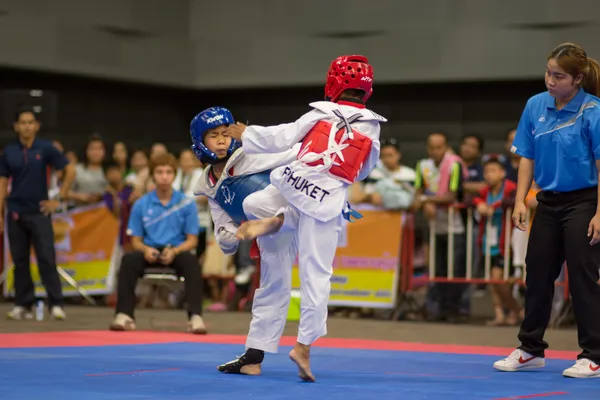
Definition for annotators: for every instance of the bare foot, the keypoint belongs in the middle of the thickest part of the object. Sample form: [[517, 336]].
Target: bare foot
[[250, 369], [300, 355], [252, 229]]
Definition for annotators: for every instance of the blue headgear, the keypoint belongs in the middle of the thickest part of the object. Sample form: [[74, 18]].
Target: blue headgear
[[205, 120]]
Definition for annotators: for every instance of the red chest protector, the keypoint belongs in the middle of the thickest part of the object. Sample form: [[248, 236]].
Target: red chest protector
[[346, 156]]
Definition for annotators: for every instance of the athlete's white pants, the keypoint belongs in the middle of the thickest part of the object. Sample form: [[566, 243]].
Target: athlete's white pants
[[317, 244], [277, 255]]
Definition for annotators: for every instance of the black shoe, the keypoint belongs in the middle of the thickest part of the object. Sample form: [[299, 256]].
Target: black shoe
[[250, 357]]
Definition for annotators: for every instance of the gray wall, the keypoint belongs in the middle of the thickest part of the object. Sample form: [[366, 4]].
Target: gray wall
[[250, 43], [142, 114]]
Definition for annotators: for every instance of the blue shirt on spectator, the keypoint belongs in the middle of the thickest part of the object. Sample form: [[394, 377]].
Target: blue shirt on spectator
[[28, 168], [564, 144], [475, 172], [162, 225]]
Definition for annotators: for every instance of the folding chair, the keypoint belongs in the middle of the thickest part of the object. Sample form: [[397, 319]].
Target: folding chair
[[163, 277]]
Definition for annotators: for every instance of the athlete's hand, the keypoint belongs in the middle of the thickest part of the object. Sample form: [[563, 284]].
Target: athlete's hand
[[519, 216], [594, 230], [236, 130], [227, 240]]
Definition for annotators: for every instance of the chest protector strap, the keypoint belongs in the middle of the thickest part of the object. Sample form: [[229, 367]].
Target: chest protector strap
[[336, 149]]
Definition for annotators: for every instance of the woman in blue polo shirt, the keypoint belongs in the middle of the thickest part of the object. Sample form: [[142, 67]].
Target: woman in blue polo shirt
[[558, 139]]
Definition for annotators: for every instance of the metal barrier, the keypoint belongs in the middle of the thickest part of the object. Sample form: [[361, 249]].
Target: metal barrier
[[407, 266]]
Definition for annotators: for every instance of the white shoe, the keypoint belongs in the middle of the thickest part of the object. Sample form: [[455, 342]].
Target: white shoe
[[19, 313], [196, 325], [518, 360], [122, 322], [244, 276], [58, 313], [583, 368]]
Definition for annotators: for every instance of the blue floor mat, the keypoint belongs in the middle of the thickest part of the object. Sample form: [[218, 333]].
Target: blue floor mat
[[188, 371]]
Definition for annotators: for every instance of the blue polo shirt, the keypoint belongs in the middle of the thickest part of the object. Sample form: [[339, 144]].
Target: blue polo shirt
[[28, 168], [161, 225], [564, 144]]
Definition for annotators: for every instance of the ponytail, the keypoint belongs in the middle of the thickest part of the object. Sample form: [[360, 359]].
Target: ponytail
[[591, 80]]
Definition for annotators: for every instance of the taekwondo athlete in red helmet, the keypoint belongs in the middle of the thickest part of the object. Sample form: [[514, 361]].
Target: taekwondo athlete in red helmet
[[340, 145]]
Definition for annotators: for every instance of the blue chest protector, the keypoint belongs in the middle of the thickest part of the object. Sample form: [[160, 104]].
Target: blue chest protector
[[235, 189]]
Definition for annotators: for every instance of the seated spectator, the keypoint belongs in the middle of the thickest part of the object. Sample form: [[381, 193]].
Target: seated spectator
[[489, 205], [164, 230], [116, 198], [90, 181]]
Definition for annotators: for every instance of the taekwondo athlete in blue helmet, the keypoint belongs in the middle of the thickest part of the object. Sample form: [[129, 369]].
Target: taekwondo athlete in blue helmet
[[229, 179]]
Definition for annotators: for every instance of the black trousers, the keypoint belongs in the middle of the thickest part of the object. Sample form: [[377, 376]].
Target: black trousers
[[132, 268], [450, 294], [559, 233], [35, 230]]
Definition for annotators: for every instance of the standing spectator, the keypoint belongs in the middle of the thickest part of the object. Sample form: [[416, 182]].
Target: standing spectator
[[439, 185], [90, 182], [120, 155], [116, 197], [471, 148], [519, 237], [55, 180], [511, 160], [26, 162], [489, 203], [164, 230]]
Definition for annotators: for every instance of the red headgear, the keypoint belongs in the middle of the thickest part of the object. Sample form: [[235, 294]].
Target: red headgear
[[349, 72]]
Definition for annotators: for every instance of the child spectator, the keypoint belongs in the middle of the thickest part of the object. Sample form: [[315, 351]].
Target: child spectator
[[489, 205]]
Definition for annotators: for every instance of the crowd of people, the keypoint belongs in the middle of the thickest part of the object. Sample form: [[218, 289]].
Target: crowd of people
[[463, 177], [118, 176]]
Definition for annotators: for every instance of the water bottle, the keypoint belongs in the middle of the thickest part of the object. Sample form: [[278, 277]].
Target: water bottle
[[39, 310]]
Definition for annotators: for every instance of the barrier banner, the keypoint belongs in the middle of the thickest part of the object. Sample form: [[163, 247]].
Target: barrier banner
[[86, 240], [366, 265]]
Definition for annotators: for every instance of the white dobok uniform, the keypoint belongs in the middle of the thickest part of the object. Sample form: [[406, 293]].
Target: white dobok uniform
[[243, 175], [340, 145]]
